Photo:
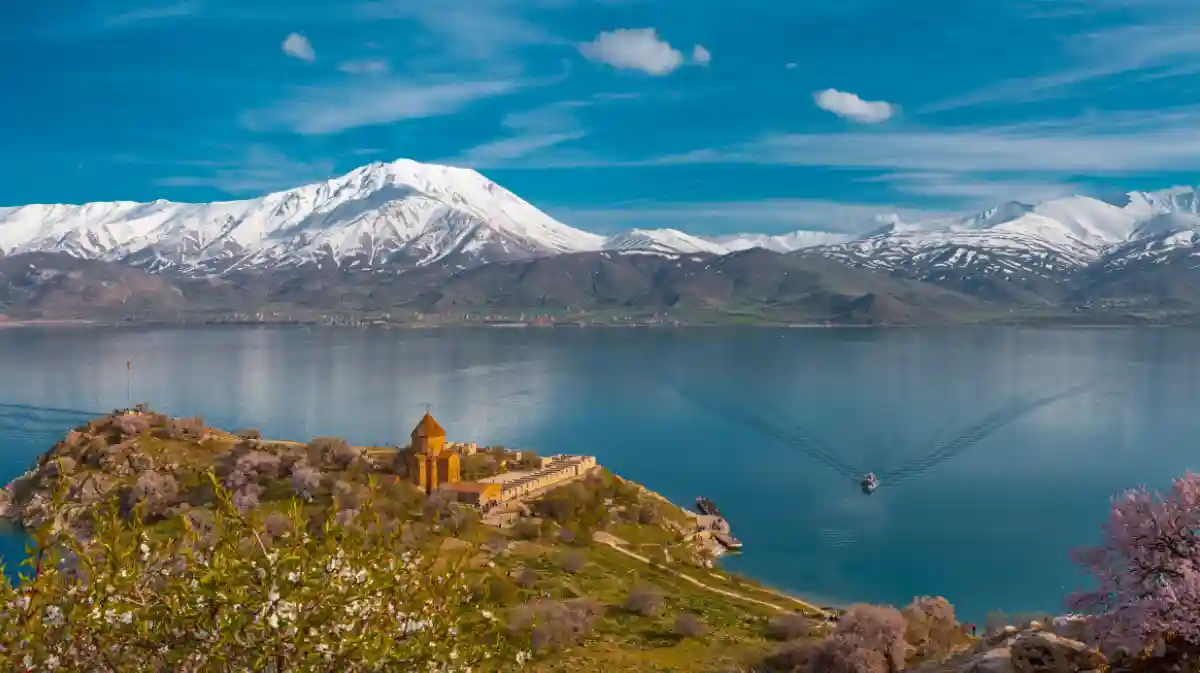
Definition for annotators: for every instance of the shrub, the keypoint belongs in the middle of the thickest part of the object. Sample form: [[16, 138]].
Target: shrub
[[130, 600], [276, 525], [497, 544], [347, 495], [305, 481], [689, 625], [792, 656], [186, 428], [1147, 572], [566, 535], [246, 497], [155, 492], [931, 625], [478, 466], [573, 562], [647, 514], [332, 453], [645, 600], [526, 578], [131, 425], [848, 653], [555, 624], [501, 591], [527, 529], [875, 627], [250, 466], [789, 626], [249, 433]]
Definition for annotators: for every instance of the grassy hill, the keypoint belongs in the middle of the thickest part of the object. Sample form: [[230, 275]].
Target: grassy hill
[[175, 522]]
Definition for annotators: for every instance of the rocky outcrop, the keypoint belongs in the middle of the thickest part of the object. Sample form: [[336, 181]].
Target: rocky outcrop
[[1038, 649], [1045, 652]]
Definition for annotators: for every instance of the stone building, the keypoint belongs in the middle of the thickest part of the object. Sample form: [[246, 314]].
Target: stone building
[[474, 493], [428, 463], [555, 470]]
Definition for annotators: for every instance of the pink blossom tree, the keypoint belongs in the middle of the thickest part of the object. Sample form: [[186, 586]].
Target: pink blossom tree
[[1147, 572]]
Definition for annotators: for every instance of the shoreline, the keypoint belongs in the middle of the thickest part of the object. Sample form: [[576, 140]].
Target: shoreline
[[1040, 325]]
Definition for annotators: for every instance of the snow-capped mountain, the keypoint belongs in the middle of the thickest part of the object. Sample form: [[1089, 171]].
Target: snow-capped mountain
[[662, 242], [379, 214], [403, 214], [1047, 242], [382, 215]]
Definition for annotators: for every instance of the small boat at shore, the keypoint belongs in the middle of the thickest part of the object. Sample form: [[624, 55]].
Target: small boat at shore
[[869, 483], [707, 507], [728, 541]]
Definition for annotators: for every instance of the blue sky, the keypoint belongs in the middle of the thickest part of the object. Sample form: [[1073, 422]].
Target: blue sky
[[711, 116]]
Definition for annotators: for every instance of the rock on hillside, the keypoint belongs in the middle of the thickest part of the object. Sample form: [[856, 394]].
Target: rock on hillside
[[1037, 649]]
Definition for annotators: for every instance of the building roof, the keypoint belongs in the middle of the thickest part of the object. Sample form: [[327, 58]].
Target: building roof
[[428, 427], [471, 487]]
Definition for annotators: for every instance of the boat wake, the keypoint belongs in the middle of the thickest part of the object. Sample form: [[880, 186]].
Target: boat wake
[[821, 452]]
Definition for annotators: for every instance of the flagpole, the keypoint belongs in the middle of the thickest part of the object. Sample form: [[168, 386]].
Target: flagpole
[[129, 383]]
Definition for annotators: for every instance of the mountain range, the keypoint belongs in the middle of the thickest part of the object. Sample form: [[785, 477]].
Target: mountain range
[[411, 238]]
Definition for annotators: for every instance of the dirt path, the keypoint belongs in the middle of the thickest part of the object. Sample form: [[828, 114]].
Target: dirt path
[[616, 543]]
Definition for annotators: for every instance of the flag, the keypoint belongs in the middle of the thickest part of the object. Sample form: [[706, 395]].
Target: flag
[[129, 365]]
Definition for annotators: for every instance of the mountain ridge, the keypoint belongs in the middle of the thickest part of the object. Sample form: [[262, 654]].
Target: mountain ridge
[[408, 230]]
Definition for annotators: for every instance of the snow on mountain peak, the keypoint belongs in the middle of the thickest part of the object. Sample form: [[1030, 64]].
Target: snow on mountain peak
[[370, 216]]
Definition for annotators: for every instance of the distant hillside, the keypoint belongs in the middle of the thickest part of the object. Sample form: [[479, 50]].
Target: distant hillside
[[756, 285]]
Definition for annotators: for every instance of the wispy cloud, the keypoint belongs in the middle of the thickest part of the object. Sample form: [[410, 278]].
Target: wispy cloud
[[298, 46], [1105, 143], [638, 49], [528, 132], [978, 192], [333, 109], [701, 55], [773, 216], [365, 66], [1147, 39], [850, 106], [149, 14], [259, 171], [471, 30]]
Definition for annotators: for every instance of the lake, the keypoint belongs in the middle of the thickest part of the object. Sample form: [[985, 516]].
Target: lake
[[989, 527]]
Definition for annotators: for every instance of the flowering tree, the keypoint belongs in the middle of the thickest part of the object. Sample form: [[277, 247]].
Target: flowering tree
[[231, 595], [868, 638], [1147, 571]]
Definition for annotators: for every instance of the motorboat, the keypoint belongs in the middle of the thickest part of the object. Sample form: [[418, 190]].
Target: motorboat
[[869, 483]]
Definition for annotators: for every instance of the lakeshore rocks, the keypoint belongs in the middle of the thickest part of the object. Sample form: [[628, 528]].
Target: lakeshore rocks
[[1045, 652], [1034, 650]]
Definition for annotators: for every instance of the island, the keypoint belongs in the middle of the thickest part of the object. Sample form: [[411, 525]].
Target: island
[[166, 544]]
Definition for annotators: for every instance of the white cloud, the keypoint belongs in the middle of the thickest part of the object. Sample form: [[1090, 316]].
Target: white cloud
[[633, 49], [261, 170], [700, 55], [298, 46], [850, 106], [328, 110], [365, 66]]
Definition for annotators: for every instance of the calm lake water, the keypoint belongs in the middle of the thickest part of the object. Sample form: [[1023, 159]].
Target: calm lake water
[[988, 528]]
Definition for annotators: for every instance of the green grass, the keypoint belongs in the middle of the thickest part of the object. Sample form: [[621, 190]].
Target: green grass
[[622, 640]]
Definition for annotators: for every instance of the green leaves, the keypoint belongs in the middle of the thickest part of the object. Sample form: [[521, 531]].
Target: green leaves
[[232, 597]]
